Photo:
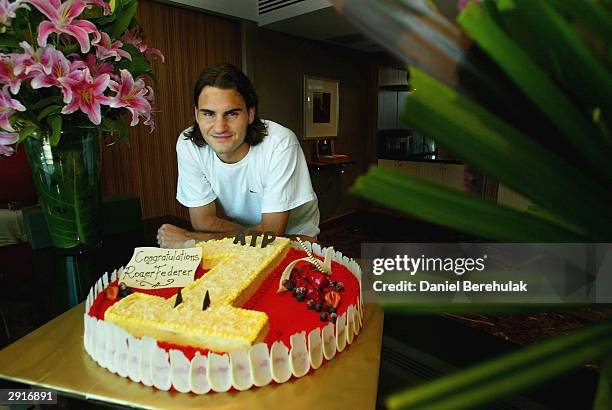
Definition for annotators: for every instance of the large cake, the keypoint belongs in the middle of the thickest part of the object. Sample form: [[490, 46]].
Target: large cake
[[255, 314]]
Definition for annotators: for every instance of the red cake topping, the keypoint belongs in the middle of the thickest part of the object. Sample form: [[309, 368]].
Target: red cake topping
[[286, 315]]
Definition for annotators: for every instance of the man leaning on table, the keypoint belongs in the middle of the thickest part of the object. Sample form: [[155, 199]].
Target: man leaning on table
[[237, 171]]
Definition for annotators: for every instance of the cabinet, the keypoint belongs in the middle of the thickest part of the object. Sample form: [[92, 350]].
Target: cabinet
[[447, 174], [390, 108], [392, 92]]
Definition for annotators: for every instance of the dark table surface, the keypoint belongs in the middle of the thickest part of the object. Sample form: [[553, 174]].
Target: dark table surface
[[38, 285]]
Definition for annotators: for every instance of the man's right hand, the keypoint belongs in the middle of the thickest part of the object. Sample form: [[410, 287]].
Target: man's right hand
[[170, 236]]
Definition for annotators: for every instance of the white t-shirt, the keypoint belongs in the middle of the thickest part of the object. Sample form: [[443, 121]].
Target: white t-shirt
[[272, 177]]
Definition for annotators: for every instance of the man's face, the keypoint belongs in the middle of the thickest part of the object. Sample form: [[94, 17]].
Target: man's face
[[223, 119]]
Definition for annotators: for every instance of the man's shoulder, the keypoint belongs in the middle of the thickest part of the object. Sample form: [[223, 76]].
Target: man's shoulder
[[186, 148], [279, 136]]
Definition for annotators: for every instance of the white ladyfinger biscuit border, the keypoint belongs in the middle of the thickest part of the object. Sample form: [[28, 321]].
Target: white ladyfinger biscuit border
[[341, 332], [315, 348], [299, 359], [146, 368], [242, 378], [180, 366], [161, 373], [198, 380], [109, 347], [141, 360], [279, 362], [134, 358], [121, 351], [261, 369], [350, 325], [219, 372]]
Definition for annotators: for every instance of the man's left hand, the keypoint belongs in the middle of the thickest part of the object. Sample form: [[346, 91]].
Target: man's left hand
[[170, 236]]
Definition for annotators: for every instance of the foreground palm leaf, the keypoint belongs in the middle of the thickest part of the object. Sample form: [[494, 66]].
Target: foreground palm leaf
[[525, 99], [509, 374], [434, 203]]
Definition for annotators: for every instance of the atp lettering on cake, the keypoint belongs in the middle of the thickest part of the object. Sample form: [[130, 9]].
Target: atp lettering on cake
[[154, 268]]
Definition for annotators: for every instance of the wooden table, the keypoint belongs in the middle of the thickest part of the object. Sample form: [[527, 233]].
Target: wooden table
[[53, 357]]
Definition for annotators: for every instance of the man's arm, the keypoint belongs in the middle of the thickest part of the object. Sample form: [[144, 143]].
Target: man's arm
[[209, 223], [210, 218]]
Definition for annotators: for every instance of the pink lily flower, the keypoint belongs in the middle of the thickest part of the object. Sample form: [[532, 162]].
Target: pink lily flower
[[6, 139], [86, 94], [132, 38], [8, 106], [105, 6], [55, 70], [29, 59], [62, 16], [7, 12], [106, 48], [150, 95], [131, 95], [149, 122], [95, 69], [7, 73]]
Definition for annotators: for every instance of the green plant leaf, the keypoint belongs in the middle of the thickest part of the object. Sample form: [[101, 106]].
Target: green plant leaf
[[535, 83], [27, 131], [589, 14], [18, 22], [459, 210], [497, 149], [118, 129], [73, 48], [8, 40], [55, 121], [551, 42], [54, 99], [124, 16], [103, 21], [48, 111], [508, 374], [603, 399], [139, 64]]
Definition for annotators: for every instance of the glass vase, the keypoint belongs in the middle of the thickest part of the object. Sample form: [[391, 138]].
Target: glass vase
[[67, 178]]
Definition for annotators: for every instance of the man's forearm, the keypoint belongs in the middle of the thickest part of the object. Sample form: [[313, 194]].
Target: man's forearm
[[206, 236], [218, 228], [214, 224], [199, 236]]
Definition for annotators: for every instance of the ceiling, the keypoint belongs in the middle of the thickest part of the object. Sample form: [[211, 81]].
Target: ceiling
[[299, 19], [325, 25]]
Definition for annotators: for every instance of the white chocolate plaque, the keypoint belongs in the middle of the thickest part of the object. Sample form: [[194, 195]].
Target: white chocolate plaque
[[156, 268]]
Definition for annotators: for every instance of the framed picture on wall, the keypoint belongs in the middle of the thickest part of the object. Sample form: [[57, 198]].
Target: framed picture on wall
[[321, 103]]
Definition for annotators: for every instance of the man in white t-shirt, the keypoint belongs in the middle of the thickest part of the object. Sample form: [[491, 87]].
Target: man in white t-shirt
[[237, 171]]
